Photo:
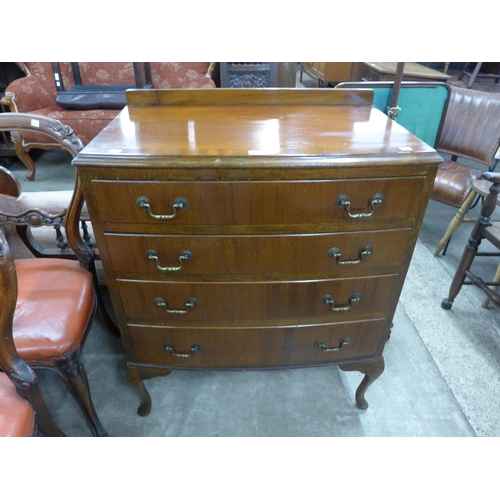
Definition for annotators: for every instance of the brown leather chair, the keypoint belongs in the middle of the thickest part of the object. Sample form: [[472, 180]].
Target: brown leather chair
[[55, 301], [483, 229], [471, 130], [22, 407]]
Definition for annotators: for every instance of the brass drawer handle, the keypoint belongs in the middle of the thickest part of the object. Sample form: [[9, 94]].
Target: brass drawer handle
[[180, 203], [334, 253], [194, 348], [185, 255], [327, 299], [343, 202], [190, 303], [322, 346]]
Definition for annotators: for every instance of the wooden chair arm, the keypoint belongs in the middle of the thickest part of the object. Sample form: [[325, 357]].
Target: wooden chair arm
[[8, 101], [62, 134], [492, 177]]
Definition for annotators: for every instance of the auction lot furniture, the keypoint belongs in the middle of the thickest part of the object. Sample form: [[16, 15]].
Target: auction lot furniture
[[332, 71], [415, 72], [484, 229], [257, 74], [477, 73], [470, 132], [255, 228], [47, 305]]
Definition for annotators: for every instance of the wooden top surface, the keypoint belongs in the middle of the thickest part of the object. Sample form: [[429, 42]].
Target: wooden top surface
[[243, 123], [410, 69]]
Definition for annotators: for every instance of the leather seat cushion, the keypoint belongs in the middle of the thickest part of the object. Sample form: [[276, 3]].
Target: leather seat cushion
[[54, 308], [453, 183], [17, 417]]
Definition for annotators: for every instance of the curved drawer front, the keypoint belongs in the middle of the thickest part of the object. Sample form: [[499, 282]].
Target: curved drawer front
[[339, 253], [279, 302], [236, 203], [255, 347]]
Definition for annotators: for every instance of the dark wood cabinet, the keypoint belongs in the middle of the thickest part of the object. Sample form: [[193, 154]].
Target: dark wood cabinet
[[334, 72], [257, 74], [256, 228]]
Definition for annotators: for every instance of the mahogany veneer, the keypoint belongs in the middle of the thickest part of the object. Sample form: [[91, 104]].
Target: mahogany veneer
[[290, 218]]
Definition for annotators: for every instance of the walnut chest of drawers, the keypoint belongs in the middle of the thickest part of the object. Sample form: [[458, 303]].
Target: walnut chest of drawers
[[256, 228]]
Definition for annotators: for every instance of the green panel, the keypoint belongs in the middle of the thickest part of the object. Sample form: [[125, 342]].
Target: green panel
[[421, 109]]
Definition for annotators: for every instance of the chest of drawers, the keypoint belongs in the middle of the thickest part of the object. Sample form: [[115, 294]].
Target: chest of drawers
[[265, 228]]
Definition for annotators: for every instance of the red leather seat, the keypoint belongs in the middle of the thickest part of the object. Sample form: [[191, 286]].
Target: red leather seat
[[54, 308], [17, 417]]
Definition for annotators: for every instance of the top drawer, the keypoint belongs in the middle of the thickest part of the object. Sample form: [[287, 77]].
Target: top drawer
[[237, 203]]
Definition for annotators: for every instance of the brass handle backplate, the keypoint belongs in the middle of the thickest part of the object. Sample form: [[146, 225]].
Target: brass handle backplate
[[327, 299], [190, 303], [322, 346], [185, 255], [335, 253], [180, 203], [194, 348], [343, 202]]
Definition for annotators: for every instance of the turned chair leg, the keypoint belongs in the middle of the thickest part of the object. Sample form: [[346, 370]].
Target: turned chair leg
[[470, 251], [486, 301], [456, 222]]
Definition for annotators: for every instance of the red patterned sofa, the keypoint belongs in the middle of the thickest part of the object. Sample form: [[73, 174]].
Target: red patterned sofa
[[36, 93]]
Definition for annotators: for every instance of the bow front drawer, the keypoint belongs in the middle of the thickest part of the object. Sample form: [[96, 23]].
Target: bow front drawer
[[337, 254], [251, 347], [307, 301], [258, 203]]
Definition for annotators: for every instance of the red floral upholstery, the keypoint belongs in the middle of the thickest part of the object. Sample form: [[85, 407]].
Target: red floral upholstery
[[36, 93]]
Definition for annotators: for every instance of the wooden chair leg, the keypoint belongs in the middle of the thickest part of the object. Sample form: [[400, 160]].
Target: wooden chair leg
[[464, 265], [477, 235], [75, 378], [464, 69], [23, 155], [486, 301], [46, 423], [473, 77], [456, 222]]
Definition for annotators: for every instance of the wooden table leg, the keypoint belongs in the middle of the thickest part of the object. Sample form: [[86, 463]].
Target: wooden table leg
[[372, 370]]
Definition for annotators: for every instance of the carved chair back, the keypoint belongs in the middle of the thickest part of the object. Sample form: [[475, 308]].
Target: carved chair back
[[35, 216]]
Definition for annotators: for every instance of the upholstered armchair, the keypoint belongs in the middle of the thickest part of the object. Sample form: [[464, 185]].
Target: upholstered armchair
[[36, 93]]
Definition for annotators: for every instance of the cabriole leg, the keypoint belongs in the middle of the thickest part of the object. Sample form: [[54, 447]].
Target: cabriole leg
[[136, 377], [76, 380], [23, 155], [372, 371]]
